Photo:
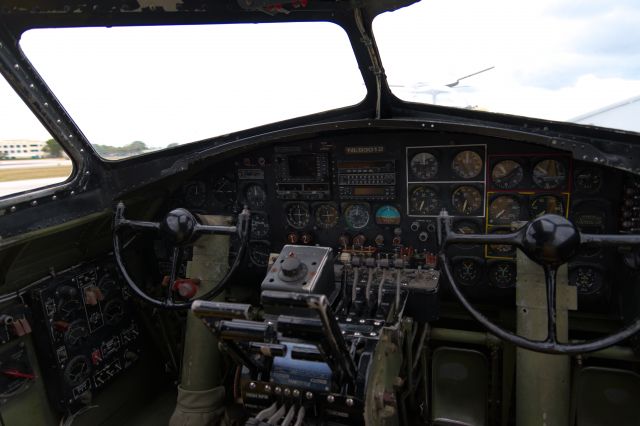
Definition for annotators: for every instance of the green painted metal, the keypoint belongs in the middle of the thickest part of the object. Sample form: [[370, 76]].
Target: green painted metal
[[202, 363], [543, 382]]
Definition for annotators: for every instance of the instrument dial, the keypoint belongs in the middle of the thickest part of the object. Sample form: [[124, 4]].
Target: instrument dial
[[503, 250], [195, 194], [77, 370], [467, 164], [224, 190], [259, 252], [544, 204], [259, 226], [255, 196], [113, 312], [549, 174], [507, 174], [424, 201], [466, 271], [424, 166], [503, 210], [76, 333], [589, 180], [357, 216], [297, 215], [587, 279], [327, 216], [502, 274], [467, 200], [388, 215]]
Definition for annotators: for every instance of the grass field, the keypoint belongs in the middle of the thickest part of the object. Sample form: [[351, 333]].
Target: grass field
[[34, 173]]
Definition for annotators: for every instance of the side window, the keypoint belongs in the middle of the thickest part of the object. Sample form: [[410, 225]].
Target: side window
[[29, 157]]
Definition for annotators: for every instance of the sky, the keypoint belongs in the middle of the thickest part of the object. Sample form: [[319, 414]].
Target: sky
[[161, 85]]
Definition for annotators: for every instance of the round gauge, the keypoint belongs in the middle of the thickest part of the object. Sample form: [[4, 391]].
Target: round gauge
[[424, 165], [297, 215], [467, 200], [113, 312], [588, 181], [424, 201], [77, 370], [546, 204], [549, 174], [108, 286], [259, 226], [502, 274], [357, 216], [255, 196], [388, 215], [466, 271], [195, 194], [587, 279], [69, 309], [466, 227], [502, 249], [507, 174], [503, 210], [224, 190], [467, 164], [259, 252], [327, 216], [76, 333]]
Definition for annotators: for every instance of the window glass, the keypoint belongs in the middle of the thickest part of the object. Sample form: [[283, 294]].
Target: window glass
[[29, 157]]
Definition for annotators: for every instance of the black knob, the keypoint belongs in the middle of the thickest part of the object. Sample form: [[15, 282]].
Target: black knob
[[291, 266], [178, 227], [551, 240]]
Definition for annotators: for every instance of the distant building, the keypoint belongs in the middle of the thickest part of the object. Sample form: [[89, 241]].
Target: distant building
[[13, 149], [621, 115]]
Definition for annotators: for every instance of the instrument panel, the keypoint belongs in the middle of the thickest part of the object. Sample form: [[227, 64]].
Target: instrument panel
[[380, 195]]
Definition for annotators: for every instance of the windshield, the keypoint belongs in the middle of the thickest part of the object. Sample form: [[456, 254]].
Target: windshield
[[559, 60], [137, 89]]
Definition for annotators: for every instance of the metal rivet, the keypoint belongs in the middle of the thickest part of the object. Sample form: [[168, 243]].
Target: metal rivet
[[46, 104], [55, 197], [287, 392], [344, 332], [357, 333], [308, 395], [267, 388], [34, 203], [58, 121], [252, 385], [296, 393], [87, 172], [362, 321], [348, 319], [16, 66], [372, 334], [277, 390], [377, 323], [70, 136], [330, 399], [73, 192], [12, 209], [32, 86], [349, 402]]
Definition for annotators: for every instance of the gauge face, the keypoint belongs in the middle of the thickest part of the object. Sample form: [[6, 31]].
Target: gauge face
[[502, 274], [424, 201], [466, 271], [76, 333], [108, 286], [113, 312], [588, 280], [467, 164], [503, 210], [327, 216], [467, 200], [588, 181], [69, 309], [466, 227], [255, 196], [259, 226], [424, 165], [549, 174], [77, 370], [388, 215], [507, 174], [357, 216], [259, 252], [547, 204], [224, 190], [502, 250], [297, 215], [195, 194]]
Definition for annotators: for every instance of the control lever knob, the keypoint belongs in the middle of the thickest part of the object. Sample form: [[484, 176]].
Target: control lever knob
[[292, 269]]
